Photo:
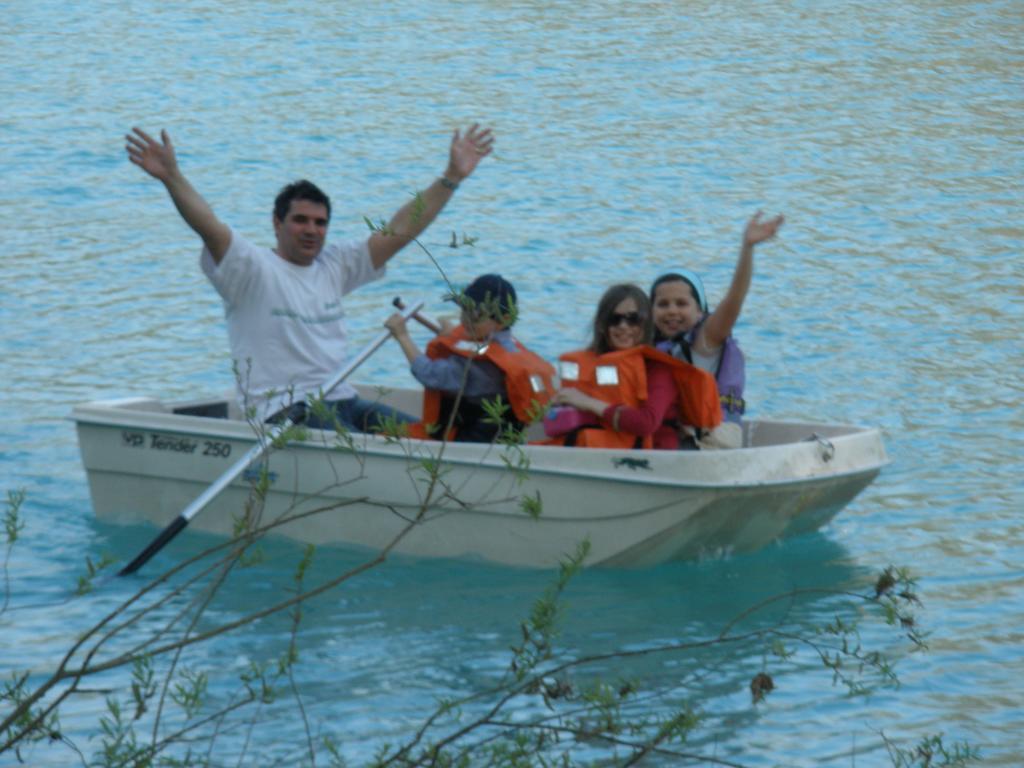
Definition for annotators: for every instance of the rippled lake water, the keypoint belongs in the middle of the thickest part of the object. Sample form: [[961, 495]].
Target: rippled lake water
[[631, 137]]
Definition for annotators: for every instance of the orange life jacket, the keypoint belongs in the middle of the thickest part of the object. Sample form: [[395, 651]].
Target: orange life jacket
[[621, 377], [529, 379]]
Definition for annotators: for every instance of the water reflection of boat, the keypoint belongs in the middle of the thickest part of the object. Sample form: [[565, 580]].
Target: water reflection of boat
[[147, 459]]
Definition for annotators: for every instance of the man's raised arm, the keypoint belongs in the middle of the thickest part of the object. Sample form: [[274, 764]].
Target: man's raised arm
[[157, 158], [466, 151]]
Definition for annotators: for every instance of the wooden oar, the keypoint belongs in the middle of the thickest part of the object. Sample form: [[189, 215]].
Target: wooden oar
[[426, 322], [254, 453]]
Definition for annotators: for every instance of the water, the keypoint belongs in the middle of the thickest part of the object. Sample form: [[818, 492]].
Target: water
[[630, 138]]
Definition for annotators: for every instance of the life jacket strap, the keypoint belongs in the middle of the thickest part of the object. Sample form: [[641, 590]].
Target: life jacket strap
[[733, 404]]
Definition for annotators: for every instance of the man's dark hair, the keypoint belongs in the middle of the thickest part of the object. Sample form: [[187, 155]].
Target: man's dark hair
[[299, 190]]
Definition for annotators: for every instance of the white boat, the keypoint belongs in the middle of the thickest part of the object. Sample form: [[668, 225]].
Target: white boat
[[147, 459]]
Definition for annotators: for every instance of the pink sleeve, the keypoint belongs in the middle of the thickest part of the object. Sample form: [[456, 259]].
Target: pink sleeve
[[661, 394]]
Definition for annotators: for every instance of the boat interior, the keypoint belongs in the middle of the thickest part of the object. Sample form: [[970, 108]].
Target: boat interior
[[756, 433]]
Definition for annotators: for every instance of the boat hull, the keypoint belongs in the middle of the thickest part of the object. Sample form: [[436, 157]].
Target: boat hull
[[146, 463]]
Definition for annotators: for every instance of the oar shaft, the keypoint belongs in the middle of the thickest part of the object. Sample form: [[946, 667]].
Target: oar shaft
[[200, 502], [232, 474], [361, 358], [253, 454]]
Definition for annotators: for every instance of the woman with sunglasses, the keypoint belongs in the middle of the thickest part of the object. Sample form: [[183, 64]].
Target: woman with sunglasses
[[631, 395], [684, 328]]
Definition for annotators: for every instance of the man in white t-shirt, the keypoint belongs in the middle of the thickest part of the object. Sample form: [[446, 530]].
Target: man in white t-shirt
[[283, 305]]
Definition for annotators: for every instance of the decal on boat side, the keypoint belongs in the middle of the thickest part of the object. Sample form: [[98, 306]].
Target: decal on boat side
[[254, 474], [215, 448], [633, 464], [176, 444], [220, 450], [133, 439]]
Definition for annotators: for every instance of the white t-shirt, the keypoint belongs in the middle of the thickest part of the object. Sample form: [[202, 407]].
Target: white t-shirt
[[286, 322], [705, 362]]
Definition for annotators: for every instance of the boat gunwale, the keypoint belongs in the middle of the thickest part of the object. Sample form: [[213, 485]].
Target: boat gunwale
[[103, 413]]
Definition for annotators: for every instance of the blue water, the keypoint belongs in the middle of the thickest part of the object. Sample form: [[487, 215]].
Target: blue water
[[630, 138]]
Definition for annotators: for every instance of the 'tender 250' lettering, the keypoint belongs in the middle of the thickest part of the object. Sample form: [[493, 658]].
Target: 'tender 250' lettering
[[216, 448]]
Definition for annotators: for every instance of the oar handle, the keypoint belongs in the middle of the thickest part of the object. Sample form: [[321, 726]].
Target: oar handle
[[424, 321], [254, 453]]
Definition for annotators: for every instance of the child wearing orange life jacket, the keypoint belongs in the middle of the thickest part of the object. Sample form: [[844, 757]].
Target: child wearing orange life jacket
[[639, 397], [476, 361]]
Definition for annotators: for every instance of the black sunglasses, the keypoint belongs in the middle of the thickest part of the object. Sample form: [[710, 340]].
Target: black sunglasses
[[631, 318]]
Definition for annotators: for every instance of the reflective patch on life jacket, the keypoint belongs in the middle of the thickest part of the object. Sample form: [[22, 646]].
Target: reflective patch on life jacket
[[537, 383], [607, 375], [569, 371]]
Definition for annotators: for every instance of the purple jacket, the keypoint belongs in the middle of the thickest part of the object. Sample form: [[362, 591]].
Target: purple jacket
[[730, 376]]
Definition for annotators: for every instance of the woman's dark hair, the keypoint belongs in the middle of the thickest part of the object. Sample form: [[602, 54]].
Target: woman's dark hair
[[673, 277], [299, 190], [606, 307]]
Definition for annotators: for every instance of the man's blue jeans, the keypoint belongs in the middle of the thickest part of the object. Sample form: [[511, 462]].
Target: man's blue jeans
[[355, 414]]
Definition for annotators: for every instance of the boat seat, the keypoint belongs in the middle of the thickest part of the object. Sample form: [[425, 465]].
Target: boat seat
[[217, 410]]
